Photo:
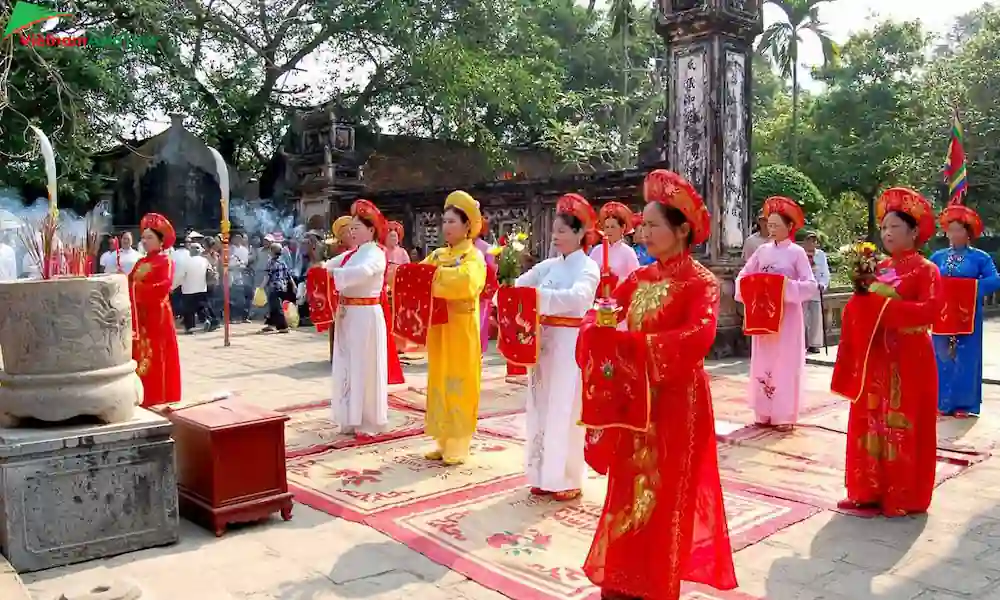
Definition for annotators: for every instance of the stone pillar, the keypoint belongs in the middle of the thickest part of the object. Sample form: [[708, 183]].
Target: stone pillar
[[710, 50]]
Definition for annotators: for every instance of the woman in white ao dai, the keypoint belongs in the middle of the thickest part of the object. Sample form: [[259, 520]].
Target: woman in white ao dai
[[360, 382], [566, 285]]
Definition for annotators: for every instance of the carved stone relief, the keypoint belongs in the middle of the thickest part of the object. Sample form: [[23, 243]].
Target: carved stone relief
[[427, 234], [689, 143], [735, 151]]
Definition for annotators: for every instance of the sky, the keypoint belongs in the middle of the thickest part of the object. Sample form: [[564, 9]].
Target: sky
[[842, 17]]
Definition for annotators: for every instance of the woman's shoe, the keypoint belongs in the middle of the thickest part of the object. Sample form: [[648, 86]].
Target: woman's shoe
[[566, 495], [537, 491], [433, 455]]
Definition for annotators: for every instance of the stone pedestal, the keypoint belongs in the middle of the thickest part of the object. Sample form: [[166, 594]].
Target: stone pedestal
[[67, 350], [76, 493], [709, 97]]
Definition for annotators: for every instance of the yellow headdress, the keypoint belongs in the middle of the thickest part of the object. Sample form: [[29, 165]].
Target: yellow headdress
[[467, 204], [339, 225]]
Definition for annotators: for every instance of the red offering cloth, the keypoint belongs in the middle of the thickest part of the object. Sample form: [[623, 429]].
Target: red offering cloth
[[960, 297], [322, 297], [764, 300], [517, 321], [664, 491], [886, 367], [492, 283], [413, 302], [395, 369], [615, 389], [154, 340]]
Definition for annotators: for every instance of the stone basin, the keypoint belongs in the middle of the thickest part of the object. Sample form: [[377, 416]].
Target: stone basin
[[67, 350]]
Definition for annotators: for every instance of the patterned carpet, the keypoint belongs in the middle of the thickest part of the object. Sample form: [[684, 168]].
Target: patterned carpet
[[480, 520]]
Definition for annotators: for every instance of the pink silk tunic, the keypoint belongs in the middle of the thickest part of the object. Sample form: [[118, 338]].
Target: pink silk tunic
[[621, 257], [777, 361], [484, 304]]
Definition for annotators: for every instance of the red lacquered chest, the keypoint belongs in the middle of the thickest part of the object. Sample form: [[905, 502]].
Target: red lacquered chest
[[230, 463]]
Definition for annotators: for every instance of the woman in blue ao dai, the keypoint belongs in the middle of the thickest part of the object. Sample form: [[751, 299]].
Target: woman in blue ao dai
[[960, 357]]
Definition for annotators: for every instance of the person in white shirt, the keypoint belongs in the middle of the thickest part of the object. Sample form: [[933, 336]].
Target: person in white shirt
[[194, 290], [179, 256], [122, 261], [756, 239], [240, 279], [813, 308], [8, 259]]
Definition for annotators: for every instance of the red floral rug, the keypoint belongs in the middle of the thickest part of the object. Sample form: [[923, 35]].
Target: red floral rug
[[730, 400], [805, 466], [515, 426], [496, 397], [310, 429], [357, 482], [974, 438], [531, 548]]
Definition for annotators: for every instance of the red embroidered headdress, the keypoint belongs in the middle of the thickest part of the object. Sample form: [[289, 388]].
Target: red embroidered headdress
[[787, 207], [620, 212], [670, 189], [398, 228], [368, 211], [577, 205], [965, 215], [909, 202], [161, 225]]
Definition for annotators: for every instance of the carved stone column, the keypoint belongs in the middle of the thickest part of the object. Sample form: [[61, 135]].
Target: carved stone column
[[710, 52]]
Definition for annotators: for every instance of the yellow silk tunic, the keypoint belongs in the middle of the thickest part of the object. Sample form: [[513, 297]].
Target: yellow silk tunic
[[454, 354]]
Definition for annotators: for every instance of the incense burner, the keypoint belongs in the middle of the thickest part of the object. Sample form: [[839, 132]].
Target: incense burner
[[66, 345]]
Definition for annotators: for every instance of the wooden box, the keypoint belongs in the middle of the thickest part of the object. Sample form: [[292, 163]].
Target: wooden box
[[230, 463]]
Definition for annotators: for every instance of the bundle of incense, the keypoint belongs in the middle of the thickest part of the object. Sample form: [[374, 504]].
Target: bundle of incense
[[50, 241], [29, 237]]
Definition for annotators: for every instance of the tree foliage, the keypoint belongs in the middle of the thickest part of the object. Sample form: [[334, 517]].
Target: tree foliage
[[782, 180]]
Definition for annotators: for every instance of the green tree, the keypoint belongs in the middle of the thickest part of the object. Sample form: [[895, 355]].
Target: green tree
[[866, 124], [781, 41], [782, 180], [965, 75], [82, 98]]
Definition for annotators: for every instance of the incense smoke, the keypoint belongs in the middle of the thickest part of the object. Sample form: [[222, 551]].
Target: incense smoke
[[260, 218]]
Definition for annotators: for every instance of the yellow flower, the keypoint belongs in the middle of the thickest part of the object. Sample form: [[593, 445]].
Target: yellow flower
[[494, 250], [521, 236]]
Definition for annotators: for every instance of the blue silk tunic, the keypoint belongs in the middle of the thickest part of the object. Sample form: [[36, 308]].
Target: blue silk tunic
[[960, 371]]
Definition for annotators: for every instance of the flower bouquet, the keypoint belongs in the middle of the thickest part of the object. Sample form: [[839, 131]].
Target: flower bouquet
[[861, 259], [509, 253]]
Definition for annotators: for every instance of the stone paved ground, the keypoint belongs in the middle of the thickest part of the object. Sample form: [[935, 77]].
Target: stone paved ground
[[952, 553]]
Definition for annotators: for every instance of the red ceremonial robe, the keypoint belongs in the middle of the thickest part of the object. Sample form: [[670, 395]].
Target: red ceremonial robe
[[663, 519], [886, 368], [154, 336]]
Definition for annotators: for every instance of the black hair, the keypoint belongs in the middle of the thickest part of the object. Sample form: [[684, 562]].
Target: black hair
[[904, 217], [571, 221], [158, 234], [675, 218], [367, 223], [621, 222], [464, 218]]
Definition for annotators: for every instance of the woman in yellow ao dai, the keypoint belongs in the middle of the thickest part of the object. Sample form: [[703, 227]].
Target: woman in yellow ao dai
[[454, 357]]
